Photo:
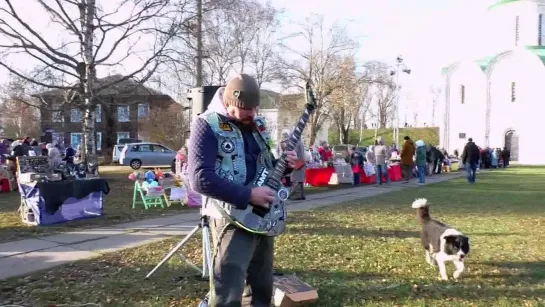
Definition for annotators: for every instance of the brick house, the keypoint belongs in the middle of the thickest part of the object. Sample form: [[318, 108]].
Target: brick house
[[120, 110]]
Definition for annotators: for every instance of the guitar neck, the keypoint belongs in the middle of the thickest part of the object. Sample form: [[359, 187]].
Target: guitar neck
[[295, 138]]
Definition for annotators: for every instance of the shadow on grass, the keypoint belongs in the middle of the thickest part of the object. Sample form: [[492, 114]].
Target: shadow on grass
[[336, 231], [337, 288], [526, 271]]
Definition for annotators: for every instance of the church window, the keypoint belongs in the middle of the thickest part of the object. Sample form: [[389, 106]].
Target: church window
[[462, 94], [540, 30], [517, 30], [513, 92]]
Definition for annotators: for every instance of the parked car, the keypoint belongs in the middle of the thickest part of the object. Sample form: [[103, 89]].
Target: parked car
[[119, 147], [137, 155], [341, 152]]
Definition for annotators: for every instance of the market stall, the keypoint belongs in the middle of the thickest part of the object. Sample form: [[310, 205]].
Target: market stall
[[54, 193]]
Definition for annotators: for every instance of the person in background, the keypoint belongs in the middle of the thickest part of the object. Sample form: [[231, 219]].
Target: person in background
[[69, 155], [370, 159], [43, 149], [439, 160], [4, 150], [470, 159], [495, 158], [18, 149], [297, 177], [407, 154], [281, 147], [420, 161], [325, 153], [181, 158], [506, 156], [356, 161], [381, 168]]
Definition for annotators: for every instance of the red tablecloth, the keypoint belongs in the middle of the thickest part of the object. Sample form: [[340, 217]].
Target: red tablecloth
[[394, 173], [318, 176]]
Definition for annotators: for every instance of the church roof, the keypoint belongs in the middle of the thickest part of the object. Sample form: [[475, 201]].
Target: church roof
[[484, 62], [501, 2], [538, 51]]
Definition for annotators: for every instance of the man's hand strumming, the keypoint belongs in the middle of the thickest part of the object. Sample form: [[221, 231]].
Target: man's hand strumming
[[262, 196]]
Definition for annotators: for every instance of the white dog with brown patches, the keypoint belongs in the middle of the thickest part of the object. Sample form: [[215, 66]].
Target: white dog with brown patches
[[441, 242]]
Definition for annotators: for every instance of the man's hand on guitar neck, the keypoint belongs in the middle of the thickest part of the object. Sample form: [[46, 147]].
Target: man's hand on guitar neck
[[291, 158], [262, 197]]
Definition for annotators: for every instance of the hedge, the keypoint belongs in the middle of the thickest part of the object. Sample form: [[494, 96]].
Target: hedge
[[428, 135]]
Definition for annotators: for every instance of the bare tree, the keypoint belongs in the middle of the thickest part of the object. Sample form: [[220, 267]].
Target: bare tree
[[90, 36], [18, 118], [384, 96], [319, 62], [346, 100], [263, 54], [164, 126]]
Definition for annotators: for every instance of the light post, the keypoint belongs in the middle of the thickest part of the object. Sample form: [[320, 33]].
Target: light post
[[400, 67]]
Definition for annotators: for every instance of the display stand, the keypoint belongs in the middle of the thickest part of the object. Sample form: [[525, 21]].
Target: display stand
[[343, 174], [48, 197]]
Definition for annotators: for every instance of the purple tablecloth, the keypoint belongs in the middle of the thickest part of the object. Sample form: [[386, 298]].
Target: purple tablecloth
[[71, 209]]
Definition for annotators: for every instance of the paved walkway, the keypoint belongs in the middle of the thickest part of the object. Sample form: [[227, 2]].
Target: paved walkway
[[30, 255]]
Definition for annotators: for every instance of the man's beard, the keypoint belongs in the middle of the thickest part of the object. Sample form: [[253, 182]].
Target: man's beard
[[247, 124]]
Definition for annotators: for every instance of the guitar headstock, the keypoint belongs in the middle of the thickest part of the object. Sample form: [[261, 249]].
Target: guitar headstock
[[311, 99]]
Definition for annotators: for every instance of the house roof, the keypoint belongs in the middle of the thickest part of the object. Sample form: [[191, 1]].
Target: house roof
[[128, 87]]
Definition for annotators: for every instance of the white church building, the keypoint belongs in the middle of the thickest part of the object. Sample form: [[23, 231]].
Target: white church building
[[496, 100]]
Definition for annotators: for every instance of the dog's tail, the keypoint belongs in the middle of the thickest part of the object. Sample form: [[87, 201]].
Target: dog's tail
[[422, 209]]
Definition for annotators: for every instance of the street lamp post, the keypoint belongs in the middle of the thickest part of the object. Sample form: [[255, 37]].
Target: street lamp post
[[400, 67]]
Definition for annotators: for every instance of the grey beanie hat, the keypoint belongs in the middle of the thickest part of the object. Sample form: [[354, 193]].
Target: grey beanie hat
[[242, 91]]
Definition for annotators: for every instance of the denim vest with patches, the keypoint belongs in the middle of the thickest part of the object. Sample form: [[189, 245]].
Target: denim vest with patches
[[231, 162]]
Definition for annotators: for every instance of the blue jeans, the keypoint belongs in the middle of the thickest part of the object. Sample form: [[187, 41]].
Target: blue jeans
[[379, 170], [471, 170], [421, 173]]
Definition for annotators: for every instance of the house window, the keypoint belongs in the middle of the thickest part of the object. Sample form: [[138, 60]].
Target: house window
[[98, 114], [517, 30], [56, 114], [143, 110], [123, 135], [57, 137], [513, 92], [123, 114], [75, 116], [98, 140], [462, 94], [75, 139], [540, 30]]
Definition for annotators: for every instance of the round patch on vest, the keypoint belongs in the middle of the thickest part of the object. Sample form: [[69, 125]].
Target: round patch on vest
[[283, 194], [227, 146]]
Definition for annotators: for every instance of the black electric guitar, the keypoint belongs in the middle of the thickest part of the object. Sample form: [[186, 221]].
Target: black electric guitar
[[272, 221]]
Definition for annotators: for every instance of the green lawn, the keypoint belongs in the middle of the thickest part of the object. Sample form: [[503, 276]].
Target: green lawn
[[117, 208], [363, 253]]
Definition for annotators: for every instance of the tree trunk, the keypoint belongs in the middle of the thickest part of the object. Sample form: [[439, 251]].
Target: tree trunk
[[87, 74], [312, 128], [111, 128], [344, 136]]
